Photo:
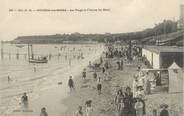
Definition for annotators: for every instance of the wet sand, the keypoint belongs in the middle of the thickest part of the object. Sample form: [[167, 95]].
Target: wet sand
[[53, 95]]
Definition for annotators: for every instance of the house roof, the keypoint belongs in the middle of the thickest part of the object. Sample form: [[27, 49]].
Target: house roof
[[159, 49], [174, 66]]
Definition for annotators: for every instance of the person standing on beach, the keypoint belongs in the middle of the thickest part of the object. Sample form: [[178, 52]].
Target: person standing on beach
[[99, 85], [118, 64], [103, 70], [43, 112], [9, 79], [71, 83], [129, 101], [119, 97], [121, 64]]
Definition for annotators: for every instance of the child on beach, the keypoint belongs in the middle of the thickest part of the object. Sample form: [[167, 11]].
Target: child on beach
[[79, 111], [43, 112], [71, 83], [103, 70], [99, 85]]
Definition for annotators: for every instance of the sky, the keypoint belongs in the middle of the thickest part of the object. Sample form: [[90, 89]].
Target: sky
[[123, 16]]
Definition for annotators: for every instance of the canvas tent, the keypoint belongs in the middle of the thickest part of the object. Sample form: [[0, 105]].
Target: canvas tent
[[175, 78]]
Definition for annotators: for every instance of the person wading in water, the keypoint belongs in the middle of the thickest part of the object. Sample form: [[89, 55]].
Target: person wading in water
[[24, 102]]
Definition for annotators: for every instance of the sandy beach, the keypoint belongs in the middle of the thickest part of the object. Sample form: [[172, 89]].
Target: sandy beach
[[103, 105]]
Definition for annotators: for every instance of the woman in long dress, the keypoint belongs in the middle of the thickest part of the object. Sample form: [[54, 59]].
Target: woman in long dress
[[119, 97]]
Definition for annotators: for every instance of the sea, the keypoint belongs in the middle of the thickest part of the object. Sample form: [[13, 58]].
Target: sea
[[33, 78]]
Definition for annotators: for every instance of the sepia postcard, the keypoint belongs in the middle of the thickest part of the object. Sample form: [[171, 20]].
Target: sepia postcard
[[91, 57]]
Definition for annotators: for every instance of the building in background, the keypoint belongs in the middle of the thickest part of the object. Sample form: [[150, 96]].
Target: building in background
[[163, 56]]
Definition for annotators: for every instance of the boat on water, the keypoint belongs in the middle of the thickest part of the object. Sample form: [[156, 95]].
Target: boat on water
[[32, 59], [42, 60]]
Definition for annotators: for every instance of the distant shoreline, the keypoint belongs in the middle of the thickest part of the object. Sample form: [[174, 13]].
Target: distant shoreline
[[78, 42]]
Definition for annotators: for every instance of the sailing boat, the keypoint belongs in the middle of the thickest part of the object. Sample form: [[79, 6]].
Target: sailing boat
[[34, 60]]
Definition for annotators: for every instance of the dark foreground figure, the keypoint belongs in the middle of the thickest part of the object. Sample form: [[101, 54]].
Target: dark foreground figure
[[43, 112]]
